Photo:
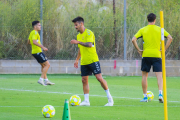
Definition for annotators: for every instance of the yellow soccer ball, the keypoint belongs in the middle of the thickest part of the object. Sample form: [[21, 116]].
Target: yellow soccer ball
[[48, 111], [75, 100], [150, 95]]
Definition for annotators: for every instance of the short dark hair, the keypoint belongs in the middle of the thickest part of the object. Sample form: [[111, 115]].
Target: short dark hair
[[151, 17], [34, 23], [78, 19]]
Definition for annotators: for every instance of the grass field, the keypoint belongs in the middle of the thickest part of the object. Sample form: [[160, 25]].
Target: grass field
[[22, 98]]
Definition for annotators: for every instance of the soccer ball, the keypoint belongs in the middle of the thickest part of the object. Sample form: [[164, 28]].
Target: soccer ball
[[75, 100], [150, 95], [48, 111]]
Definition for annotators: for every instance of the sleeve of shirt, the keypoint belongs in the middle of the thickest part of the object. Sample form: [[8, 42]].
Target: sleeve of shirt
[[165, 33], [138, 34], [78, 44], [90, 37], [34, 37]]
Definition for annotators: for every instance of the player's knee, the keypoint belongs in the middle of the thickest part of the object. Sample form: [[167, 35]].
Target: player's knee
[[48, 64], [100, 79], [84, 81]]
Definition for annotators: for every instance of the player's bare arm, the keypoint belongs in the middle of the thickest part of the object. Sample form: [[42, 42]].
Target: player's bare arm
[[28, 42], [39, 45], [169, 37], [77, 59], [134, 41], [87, 44]]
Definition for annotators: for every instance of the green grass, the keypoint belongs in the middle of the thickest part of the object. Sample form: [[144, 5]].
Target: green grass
[[17, 103]]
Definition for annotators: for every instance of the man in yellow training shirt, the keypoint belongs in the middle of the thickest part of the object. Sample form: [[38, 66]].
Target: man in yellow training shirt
[[34, 40], [89, 60], [151, 54]]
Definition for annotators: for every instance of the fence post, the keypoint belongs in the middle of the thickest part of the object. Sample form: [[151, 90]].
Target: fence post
[[125, 51], [41, 20], [115, 33]]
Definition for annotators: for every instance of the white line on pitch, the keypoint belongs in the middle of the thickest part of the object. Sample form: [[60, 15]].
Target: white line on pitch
[[91, 106], [73, 93]]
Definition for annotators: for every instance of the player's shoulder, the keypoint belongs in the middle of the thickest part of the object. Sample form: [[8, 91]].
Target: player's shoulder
[[89, 32], [158, 27], [143, 28], [34, 32]]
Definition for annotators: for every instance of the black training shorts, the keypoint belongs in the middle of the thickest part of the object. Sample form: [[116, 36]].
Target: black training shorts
[[91, 68], [147, 62], [40, 57]]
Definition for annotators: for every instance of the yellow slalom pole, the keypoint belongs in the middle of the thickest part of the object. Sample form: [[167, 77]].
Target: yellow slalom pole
[[163, 66]]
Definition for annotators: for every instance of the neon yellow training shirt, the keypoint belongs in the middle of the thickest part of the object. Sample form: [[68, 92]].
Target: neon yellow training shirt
[[88, 55], [151, 35], [34, 35]]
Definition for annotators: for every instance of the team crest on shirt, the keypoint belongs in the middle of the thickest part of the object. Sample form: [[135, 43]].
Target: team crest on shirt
[[83, 37]]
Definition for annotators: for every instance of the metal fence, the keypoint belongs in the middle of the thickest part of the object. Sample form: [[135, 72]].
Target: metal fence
[[104, 17]]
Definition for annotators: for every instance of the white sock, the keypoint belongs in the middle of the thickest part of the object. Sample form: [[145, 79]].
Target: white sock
[[160, 92], [145, 95], [41, 78], [108, 93], [46, 79], [86, 97]]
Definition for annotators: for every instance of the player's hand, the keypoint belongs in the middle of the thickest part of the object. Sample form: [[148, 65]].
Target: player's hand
[[45, 49], [74, 42], [76, 64], [140, 52]]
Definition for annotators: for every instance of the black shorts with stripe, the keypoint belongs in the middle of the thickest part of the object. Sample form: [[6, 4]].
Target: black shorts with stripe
[[147, 62], [40, 57], [91, 68]]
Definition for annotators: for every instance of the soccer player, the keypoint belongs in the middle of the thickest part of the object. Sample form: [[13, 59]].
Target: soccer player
[[151, 53], [89, 60], [34, 40]]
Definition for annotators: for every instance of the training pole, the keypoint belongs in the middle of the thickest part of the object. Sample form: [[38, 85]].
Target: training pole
[[163, 66]]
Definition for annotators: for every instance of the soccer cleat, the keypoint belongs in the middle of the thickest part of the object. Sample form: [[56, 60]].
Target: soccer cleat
[[84, 103], [41, 82], [47, 82], [144, 99], [161, 98], [110, 102]]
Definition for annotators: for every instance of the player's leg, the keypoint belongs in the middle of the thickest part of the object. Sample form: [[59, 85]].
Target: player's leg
[[105, 87], [160, 85], [86, 91], [145, 68], [41, 79], [84, 73], [144, 86], [46, 81], [42, 66], [45, 67], [102, 81], [85, 85], [40, 61], [157, 68], [96, 69]]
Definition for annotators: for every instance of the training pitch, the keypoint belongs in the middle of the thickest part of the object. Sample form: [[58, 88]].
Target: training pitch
[[22, 98]]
